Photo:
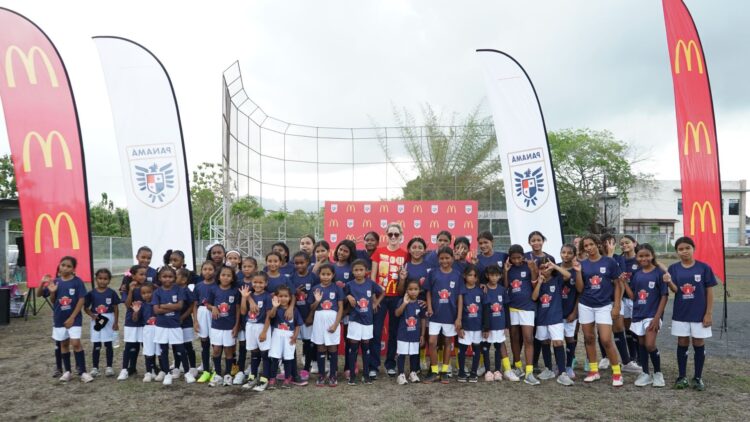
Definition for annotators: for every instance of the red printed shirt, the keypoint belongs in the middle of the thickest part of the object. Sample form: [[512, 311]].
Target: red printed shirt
[[389, 264]]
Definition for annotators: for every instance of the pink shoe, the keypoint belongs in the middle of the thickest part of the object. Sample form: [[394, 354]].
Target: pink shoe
[[489, 376], [497, 376], [346, 374], [280, 376], [304, 375]]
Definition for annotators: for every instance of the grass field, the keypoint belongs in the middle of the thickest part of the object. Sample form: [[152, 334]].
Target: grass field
[[30, 393]]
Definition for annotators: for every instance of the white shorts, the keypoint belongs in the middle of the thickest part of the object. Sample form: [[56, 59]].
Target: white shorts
[[570, 328], [150, 346], [554, 332], [222, 338], [690, 329], [168, 335], [132, 334], [496, 336], [321, 323], [204, 322], [448, 330], [188, 334], [241, 335], [358, 331], [280, 347], [62, 333], [305, 332], [406, 348], [601, 315], [470, 337], [639, 328], [519, 317], [626, 308], [252, 333], [106, 333]]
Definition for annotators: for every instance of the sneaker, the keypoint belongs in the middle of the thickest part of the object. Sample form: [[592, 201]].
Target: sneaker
[[574, 363], [123, 375], [510, 375], [632, 367], [592, 376], [321, 382], [681, 383], [168, 379], [586, 366], [496, 376], [94, 372], [160, 376], [261, 386], [57, 374], [351, 381], [189, 378], [298, 381], [287, 384], [86, 377], [391, 372], [109, 372], [314, 368], [176, 373], [66, 376], [658, 379], [251, 382], [227, 380], [430, 378], [519, 372], [546, 374], [216, 379], [304, 375], [423, 365], [473, 378], [239, 378], [235, 370], [401, 379], [347, 373], [205, 377], [604, 363], [373, 374], [481, 371], [199, 368], [194, 372], [413, 377], [281, 376], [367, 380], [698, 384], [564, 379], [332, 382], [617, 380], [271, 384], [643, 380], [148, 377], [531, 379], [462, 377]]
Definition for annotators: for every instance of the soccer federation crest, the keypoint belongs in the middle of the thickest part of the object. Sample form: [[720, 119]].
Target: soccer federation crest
[[528, 187], [154, 174]]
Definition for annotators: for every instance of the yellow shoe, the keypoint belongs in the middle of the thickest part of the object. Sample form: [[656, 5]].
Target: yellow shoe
[[235, 369], [205, 377]]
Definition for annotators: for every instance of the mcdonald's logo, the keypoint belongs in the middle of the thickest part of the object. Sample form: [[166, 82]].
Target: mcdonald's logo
[[468, 224], [383, 207], [696, 131], [367, 223], [27, 59], [434, 224], [46, 145], [351, 237], [333, 223], [350, 208], [416, 208], [697, 208], [451, 209], [54, 226], [687, 51], [401, 223]]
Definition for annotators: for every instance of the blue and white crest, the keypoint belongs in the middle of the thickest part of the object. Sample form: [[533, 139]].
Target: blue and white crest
[[155, 181], [154, 173], [528, 184], [528, 169]]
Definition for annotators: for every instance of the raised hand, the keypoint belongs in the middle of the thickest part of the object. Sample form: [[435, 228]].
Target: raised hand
[[576, 265], [52, 287], [275, 302], [318, 295], [245, 291], [406, 299]]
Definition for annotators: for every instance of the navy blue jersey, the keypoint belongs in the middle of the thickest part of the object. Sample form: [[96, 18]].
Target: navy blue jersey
[[519, 288], [151, 276], [599, 281], [539, 259], [287, 269], [569, 294], [471, 318], [275, 282], [202, 292], [102, 302], [648, 289], [627, 265], [549, 304], [343, 273], [162, 297], [365, 256], [483, 261], [263, 301], [419, 273], [363, 295], [431, 259], [66, 298], [460, 266], [280, 322], [496, 298], [187, 303], [303, 285], [444, 289], [690, 299], [129, 311], [332, 294], [408, 324], [146, 315], [227, 301]]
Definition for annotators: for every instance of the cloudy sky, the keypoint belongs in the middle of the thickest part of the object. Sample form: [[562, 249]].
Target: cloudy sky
[[596, 64]]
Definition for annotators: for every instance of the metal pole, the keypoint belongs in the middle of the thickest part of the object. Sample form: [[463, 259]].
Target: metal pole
[[110, 253]]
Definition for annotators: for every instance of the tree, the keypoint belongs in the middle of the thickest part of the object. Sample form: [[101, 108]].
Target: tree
[[206, 193], [591, 166], [7, 178], [108, 220]]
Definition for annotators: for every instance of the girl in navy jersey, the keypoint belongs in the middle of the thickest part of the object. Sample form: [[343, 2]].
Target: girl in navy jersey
[[133, 334], [520, 276], [327, 306], [493, 327], [569, 296], [275, 277], [284, 334], [443, 238], [102, 302], [186, 319], [411, 332], [234, 259], [550, 325], [244, 279], [599, 287], [217, 254], [42, 291], [306, 244], [67, 293], [255, 302], [470, 316], [223, 301], [303, 280], [416, 269], [363, 296], [648, 291], [487, 256], [143, 259], [202, 316], [143, 313], [461, 248], [444, 287], [692, 282], [536, 242], [344, 254], [286, 267], [322, 255], [628, 265], [168, 301], [371, 241]]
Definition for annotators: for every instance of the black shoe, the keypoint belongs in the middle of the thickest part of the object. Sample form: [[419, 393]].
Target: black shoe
[[352, 381], [473, 377], [430, 378], [461, 377], [367, 380], [698, 384], [445, 378]]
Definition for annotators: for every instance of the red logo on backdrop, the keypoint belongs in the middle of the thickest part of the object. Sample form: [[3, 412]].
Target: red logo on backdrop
[[642, 295], [101, 309], [687, 289], [596, 280], [444, 294], [326, 305]]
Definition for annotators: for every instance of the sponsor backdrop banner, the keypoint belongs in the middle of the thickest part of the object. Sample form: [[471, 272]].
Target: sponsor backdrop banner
[[522, 140], [696, 137], [150, 143], [45, 145], [352, 220]]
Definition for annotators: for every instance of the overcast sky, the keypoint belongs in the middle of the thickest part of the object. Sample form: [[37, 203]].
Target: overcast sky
[[596, 64]]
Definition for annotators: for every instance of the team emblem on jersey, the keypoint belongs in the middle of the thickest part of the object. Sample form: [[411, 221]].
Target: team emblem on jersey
[[283, 326], [444, 294], [411, 323], [174, 298], [400, 208], [500, 298], [349, 223], [523, 273], [651, 284], [151, 321], [603, 270], [108, 301], [346, 275], [154, 173], [642, 294], [333, 237], [369, 293], [301, 297], [73, 291], [367, 208], [326, 305], [596, 280], [231, 299], [496, 307], [545, 299], [224, 307], [468, 209], [383, 223], [334, 207], [452, 284], [421, 281], [417, 224], [515, 284], [477, 299], [634, 267], [252, 316], [565, 292], [101, 309], [473, 309], [528, 169], [362, 303], [451, 224], [434, 208], [697, 278], [260, 303], [332, 295], [687, 289], [552, 289]]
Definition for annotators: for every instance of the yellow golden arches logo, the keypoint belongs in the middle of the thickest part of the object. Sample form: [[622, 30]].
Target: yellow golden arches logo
[[383, 207], [367, 223], [333, 223], [54, 225], [416, 208], [696, 130], [687, 50], [468, 224], [351, 208], [46, 145], [27, 59], [703, 209], [434, 224], [451, 209], [351, 237]]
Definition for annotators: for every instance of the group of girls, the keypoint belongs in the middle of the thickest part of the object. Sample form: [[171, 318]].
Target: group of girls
[[434, 301]]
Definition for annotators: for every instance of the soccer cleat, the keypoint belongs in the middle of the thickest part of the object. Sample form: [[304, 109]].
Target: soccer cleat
[[148, 377], [251, 382], [109, 372], [632, 367], [373, 373], [86, 377], [160, 376], [430, 378], [167, 379], [304, 375], [216, 380], [564, 379], [546, 374], [510, 375], [321, 382], [489, 376], [571, 373], [531, 379], [391, 372], [239, 378], [261, 386], [473, 378], [287, 384], [94, 372], [658, 379], [617, 380], [66, 376], [189, 378], [592, 376], [235, 370], [205, 377], [643, 380], [681, 383], [413, 377], [401, 379], [497, 376], [227, 380], [604, 363], [332, 382], [123, 375], [194, 372], [698, 384]]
